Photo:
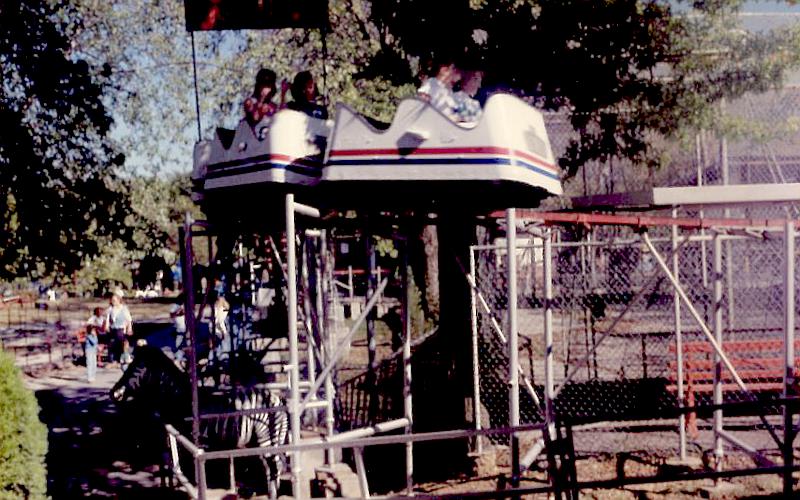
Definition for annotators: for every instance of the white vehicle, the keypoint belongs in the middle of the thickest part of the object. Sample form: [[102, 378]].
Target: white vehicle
[[508, 144], [286, 148], [422, 158]]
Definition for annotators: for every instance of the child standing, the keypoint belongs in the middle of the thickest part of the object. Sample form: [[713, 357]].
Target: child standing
[[93, 326], [126, 357]]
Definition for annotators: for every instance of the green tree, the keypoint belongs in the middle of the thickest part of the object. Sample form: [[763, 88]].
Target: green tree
[[58, 188], [624, 70], [23, 438], [157, 206], [148, 53]]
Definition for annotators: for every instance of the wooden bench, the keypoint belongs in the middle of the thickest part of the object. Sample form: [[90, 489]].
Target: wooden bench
[[759, 363]]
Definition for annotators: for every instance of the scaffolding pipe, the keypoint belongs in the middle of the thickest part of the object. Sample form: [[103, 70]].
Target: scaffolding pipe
[[189, 314], [408, 407], [719, 445], [513, 344], [476, 382], [388, 426], [372, 353], [676, 307], [499, 331], [361, 472], [305, 273], [294, 361], [325, 335], [789, 354], [342, 345], [549, 387], [703, 327], [750, 450], [549, 384]]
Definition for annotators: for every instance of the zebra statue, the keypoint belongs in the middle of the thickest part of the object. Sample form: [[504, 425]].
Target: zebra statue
[[157, 385]]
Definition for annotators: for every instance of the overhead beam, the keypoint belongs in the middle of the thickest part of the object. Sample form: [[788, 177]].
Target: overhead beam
[[738, 194]]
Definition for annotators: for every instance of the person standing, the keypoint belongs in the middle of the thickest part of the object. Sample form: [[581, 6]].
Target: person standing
[[93, 327], [118, 324], [178, 321]]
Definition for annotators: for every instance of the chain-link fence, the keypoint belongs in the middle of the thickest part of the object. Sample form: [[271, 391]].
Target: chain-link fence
[[759, 147], [627, 350]]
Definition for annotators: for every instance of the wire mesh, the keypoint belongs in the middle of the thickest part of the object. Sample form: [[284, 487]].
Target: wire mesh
[[614, 332]]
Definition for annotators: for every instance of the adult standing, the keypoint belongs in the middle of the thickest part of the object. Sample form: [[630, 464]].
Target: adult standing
[[118, 324]]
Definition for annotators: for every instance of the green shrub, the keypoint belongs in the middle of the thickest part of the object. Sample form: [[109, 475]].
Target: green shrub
[[23, 438]]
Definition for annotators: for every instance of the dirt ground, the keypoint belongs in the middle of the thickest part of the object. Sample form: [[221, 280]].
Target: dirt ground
[[96, 452]]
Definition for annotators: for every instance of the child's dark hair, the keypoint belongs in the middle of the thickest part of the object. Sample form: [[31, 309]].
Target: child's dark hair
[[265, 78], [98, 311], [301, 80]]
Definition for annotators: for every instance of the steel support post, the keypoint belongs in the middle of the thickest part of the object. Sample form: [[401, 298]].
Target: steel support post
[[200, 475], [187, 265], [408, 408], [361, 471], [789, 355], [310, 327], [476, 382], [372, 358], [324, 296], [676, 307], [294, 361], [513, 342], [719, 446], [549, 386]]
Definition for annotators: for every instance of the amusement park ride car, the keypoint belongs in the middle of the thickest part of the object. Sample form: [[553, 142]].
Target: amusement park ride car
[[422, 160]]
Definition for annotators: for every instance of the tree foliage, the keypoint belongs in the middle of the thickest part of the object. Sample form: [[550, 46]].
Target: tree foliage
[[623, 69], [23, 438], [157, 206], [58, 188]]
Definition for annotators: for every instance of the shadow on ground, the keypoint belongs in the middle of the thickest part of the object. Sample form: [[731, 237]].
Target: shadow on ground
[[96, 452]]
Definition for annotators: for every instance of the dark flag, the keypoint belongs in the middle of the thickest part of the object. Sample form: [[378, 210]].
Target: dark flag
[[208, 15]]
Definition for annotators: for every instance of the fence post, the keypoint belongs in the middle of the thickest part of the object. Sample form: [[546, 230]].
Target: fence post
[[719, 451], [548, 328], [789, 381], [678, 340], [476, 382], [513, 353]]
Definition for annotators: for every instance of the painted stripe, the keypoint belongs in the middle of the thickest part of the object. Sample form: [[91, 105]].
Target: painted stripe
[[423, 151], [541, 162], [266, 158], [264, 167], [393, 162]]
